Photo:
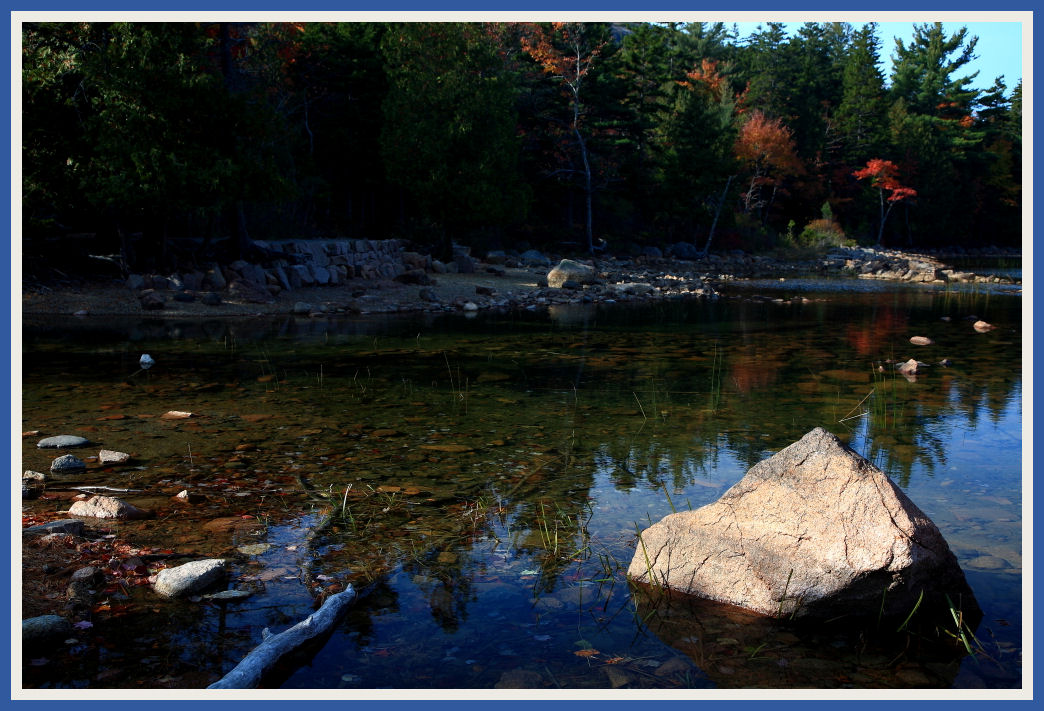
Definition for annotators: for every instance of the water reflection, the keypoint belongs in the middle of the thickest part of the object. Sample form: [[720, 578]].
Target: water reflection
[[482, 480]]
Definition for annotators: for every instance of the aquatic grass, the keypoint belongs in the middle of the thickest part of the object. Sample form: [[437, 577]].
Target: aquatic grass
[[561, 520], [670, 503], [962, 632], [912, 612], [717, 367]]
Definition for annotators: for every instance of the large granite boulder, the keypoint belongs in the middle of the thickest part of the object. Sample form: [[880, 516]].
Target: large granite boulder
[[815, 531], [569, 271]]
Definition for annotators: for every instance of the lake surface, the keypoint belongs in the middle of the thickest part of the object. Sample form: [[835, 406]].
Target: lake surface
[[482, 481]]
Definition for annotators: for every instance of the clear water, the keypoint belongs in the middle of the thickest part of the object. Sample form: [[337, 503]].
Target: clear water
[[481, 480]]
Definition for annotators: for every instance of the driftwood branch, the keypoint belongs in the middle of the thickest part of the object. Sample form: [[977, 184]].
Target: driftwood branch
[[93, 489], [264, 658]]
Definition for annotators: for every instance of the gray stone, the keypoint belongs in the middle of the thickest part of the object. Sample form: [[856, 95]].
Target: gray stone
[[190, 577], [89, 574], [193, 281], [210, 298], [568, 270], [322, 275], [70, 526], [67, 463], [152, 300], [107, 507], [39, 632], [136, 282], [109, 456], [465, 264], [62, 442], [814, 531], [228, 595], [534, 258], [214, 279], [301, 275], [302, 308], [414, 276], [249, 291], [685, 250]]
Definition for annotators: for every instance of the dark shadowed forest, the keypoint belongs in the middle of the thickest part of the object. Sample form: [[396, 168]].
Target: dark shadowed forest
[[171, 143]]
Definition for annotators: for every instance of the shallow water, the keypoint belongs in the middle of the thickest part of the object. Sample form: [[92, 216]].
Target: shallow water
[[493, 470]]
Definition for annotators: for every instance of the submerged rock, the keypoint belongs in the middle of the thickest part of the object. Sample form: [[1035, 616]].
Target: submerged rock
[[190, 577], [62, 442], [67, 463], [815, 531], [109, 456], [71, 526], [107, 507], [38, 632]]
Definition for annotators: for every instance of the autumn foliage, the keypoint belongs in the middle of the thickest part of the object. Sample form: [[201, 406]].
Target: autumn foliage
[[883, 175]]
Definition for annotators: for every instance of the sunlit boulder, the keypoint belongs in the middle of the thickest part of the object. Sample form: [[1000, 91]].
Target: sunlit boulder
[[814, 531]]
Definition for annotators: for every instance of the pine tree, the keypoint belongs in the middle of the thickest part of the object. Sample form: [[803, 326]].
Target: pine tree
[[861, 114]]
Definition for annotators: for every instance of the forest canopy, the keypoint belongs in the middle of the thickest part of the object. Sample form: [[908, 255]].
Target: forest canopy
[[170, 142]]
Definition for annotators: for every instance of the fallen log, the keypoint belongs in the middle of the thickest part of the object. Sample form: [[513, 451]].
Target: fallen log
[[265, 657], [95, 489]]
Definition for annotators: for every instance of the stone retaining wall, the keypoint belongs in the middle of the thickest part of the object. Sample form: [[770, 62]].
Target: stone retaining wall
[[292, 264]]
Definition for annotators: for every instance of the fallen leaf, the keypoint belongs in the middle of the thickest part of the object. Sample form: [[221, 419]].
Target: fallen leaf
[[587, 653]]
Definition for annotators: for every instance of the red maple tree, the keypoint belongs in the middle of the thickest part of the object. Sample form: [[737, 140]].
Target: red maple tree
[[884, 175]]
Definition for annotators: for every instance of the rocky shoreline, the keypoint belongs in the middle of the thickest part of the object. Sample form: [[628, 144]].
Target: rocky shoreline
[[359, 277]]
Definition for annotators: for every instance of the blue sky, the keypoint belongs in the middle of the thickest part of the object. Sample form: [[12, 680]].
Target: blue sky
[[999, 48]]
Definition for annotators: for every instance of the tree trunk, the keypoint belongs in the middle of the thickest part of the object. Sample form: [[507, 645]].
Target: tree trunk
[[588, 188], [717, 211], [884, 216]]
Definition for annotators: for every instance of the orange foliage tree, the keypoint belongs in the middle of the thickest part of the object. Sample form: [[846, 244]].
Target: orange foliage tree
[[767, 146], [566, 51], [884, 175]]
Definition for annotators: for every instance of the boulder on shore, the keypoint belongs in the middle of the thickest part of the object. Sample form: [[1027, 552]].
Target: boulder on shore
[[570, 271], [815, 531]]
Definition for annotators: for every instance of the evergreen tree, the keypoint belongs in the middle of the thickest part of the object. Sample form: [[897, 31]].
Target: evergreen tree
[[448, 137], [860, 117], [922, 74]]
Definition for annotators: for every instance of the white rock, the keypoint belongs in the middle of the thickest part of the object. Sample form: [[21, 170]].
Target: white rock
[[107, 507], [189, 578], [109, 456], [62, 442]]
